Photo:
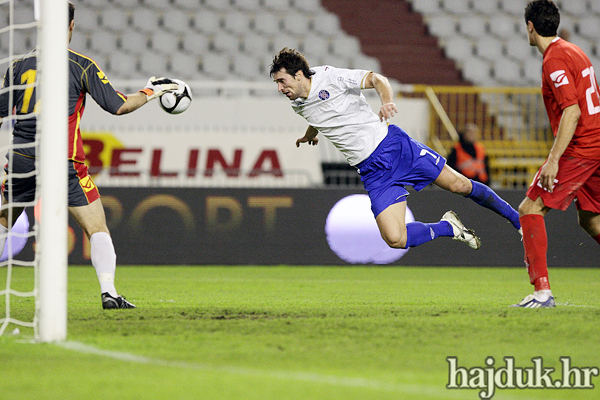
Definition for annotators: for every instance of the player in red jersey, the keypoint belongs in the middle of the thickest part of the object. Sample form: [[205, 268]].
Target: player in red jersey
[[85, 206], [572, 170]]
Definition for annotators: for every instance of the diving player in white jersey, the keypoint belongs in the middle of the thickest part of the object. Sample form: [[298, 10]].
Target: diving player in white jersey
[[387, 159]]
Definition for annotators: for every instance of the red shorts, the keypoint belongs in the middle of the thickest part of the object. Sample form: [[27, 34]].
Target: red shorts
[[577, 179]]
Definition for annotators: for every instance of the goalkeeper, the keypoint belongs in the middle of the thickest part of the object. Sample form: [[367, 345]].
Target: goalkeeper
[[84, 201], [387, 159]]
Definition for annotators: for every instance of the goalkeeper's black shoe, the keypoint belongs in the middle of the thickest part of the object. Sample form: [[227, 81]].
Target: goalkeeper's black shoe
[[109, 302]]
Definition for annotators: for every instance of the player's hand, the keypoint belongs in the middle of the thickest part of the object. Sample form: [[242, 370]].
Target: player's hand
[[311, 141], [388, 110], [156, 87], [548, 175]]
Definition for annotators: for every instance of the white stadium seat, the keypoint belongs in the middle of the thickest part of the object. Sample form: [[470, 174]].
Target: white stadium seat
[[503, 26], [86, 20], [472, 25], [584, 43], [187, 4], [427, 7], [486, 7], [134, 42], [253, 43], [237, 22], [298, 24], [489, 48], [327, 24], [477, 71], [284, 40], [194, 42], [458, 48], [247, 67], [206, 21], [532, 70], [315, 45], [185, 66], [277, 5], [115, 19], [312, 7], [127, 4], [574, 8], [225, 42], [164, 42], [103, 42], [507, 72], [362, 61], [79, 42], [248, 5], [266, 23], [460, 7], [215, 65], [153, 64], [514, 7], [145, 19], [442, 26], [589, 27], [123, 65], [346, 45], [177, 21]]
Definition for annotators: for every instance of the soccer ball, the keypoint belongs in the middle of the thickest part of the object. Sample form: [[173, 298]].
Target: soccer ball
[[178, 101]]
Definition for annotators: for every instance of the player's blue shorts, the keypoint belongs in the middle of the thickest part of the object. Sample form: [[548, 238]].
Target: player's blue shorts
[[398, 161]]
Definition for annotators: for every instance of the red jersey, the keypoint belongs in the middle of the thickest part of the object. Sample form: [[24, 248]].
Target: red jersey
[[568, 78]]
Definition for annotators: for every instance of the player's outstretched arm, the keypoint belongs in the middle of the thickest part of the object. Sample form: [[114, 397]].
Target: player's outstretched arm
[[309, 137], [155, 88], [383, 88]]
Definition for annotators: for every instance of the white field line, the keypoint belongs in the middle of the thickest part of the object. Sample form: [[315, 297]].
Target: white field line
[[441, 393]]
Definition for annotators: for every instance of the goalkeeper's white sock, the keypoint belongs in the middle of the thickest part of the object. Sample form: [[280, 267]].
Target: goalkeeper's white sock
[[104, 260], [3, 236]]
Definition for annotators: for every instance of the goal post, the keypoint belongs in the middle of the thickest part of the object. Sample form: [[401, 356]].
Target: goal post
[[53, 79]]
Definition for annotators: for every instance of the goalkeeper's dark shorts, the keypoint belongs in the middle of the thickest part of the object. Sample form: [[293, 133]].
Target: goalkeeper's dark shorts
[[81, 189]]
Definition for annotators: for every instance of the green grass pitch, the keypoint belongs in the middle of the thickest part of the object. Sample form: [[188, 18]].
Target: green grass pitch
[[313, 333]]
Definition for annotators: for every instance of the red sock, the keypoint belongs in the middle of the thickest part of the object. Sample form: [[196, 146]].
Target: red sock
[[535, 242], [597, 239]]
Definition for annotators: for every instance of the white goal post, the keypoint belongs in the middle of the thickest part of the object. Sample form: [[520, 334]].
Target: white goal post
[[51, 280]]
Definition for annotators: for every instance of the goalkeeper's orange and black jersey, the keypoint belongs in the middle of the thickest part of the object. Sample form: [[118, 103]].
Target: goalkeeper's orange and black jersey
[[84, 77]]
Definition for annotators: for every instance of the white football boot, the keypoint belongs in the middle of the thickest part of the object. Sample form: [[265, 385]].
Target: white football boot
[[461, 233]]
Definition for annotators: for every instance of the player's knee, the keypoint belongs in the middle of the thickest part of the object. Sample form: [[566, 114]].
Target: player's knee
[[396, 240]]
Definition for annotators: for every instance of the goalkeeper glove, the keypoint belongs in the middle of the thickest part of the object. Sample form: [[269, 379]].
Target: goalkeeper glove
[[156, 87]]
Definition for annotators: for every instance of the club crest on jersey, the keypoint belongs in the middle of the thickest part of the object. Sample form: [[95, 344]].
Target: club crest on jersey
[[559, 78], [323, 94]]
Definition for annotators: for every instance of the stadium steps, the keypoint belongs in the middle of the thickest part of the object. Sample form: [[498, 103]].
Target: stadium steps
[[390, 31]]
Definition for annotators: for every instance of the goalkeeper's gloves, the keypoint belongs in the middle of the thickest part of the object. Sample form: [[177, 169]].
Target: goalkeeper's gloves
[[156, 87]]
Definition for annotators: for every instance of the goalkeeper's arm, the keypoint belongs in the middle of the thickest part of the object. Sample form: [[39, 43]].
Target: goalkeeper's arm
[[155, 88]]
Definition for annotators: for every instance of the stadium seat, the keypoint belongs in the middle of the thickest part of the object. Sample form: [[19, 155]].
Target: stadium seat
[[311, 7], [153, 64], [225, 42], [508, 72], [315, 45], [427, 7], [267, 23], [248, 5], [327, 24], [589, 27], [595, 7], [185, 66], [23, 14], [246, 67], [584, 43], [518, 48], [442, 26], [489, 48], [298, 24], [87, 20], [503, 26], [177, 21], [122, 65], [473, 25], [284, 40], [145, 19], [216, 66], [103, 42], [115, 19], [218, 5], [277, 5], [459, 7], [488, 7], [477, 71], [194, 43], [134, 42], [79, 42], [158, 5], [458, 48], [514, 7], [126, 4], [237, 22], [345, 45], [573, 8], [187, 4], [532, 71], [206, 21], [361, 61], [256, 44]]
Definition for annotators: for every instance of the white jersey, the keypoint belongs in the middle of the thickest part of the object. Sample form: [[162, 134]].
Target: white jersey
[[337, 108]]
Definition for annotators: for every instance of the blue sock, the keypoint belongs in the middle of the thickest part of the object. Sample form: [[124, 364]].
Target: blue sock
[[418, 233], [486, 197]]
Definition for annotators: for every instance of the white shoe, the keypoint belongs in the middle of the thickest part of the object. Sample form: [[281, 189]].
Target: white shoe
[[460, 232]]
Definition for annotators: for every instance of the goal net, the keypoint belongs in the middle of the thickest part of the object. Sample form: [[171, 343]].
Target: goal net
[[34, 261]]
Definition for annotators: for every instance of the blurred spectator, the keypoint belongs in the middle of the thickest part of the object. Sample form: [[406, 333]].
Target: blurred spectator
[[468, 156]]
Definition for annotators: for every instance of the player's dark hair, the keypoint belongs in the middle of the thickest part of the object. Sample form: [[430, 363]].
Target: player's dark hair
[[71, 12], [544, 16], [292, 61]]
